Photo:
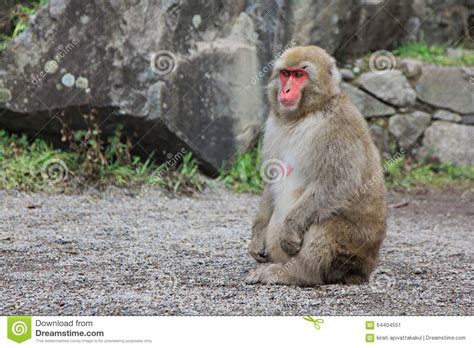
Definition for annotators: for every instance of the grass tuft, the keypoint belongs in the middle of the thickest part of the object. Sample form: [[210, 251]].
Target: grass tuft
[[402, 173], [243, 175], [18, 18], [433, 54], [37, 166]]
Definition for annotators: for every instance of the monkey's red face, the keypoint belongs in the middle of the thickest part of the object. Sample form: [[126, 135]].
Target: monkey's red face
[[292, 82]]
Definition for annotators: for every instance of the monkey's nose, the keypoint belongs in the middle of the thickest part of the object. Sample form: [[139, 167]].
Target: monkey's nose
[[262, 253]]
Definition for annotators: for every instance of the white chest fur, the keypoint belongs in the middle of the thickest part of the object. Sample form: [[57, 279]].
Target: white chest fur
[[291, 146]]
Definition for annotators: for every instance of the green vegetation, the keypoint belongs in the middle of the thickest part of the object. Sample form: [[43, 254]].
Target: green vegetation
[[35, 166], [407, 175], [433, 54], [244, 173], [18, 20]]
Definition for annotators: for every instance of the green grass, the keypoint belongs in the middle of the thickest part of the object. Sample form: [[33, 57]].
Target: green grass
[[244, 174], [36, 166], [433, 54], [18, 17], [406, 175]]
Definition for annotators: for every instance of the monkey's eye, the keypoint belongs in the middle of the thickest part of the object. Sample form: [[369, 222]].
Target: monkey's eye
[[285, 73], [298, 74]]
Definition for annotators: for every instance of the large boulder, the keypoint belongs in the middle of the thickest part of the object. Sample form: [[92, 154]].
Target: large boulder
[[450, 142], [390, 86], [440, 21], [447, 87], [175, 75], [367, 105], [408, 127]]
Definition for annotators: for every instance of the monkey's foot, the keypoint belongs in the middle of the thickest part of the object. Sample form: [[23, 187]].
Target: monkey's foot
[[269, 274], [259, 254], [291, 242], [257, 250]]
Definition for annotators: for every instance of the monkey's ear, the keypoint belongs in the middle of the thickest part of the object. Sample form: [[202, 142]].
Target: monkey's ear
[[335, 76]]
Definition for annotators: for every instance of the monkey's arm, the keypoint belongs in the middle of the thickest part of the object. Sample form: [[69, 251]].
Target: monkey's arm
[[338, 177], [264, 214]]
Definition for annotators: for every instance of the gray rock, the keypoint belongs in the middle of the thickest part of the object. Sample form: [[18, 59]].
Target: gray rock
[[408, 127], [439, 21], [447, 87], [450, 142], [390, 86], [410, 67], [367, 105], [468, 119], [448, 116], [381, 139], [172, 85], [347, 74]]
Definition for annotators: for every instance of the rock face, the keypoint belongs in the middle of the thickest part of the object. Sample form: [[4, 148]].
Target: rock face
[[450, 142], [408, 127], [390, 86], [154, 68], [448, 88], [367, 105]]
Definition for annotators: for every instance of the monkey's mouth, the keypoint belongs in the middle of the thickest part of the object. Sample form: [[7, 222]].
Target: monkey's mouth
[[288, 103]]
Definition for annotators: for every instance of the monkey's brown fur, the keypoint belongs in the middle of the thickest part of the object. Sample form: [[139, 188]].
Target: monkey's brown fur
[[325, 221]]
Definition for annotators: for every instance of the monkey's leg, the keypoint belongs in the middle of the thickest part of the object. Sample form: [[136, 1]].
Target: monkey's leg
[[257, 248], [333, 252], [301, 269]]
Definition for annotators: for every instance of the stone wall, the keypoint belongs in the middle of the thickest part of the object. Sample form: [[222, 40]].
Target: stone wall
[[422, 109]]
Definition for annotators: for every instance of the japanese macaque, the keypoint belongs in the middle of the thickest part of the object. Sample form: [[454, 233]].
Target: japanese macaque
[[322, 218]]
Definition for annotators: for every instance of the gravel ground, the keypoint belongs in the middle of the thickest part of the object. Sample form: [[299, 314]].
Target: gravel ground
[[143, 253]]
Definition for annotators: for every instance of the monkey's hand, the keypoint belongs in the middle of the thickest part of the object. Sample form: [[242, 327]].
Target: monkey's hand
[[291, 238], [257, 248]]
